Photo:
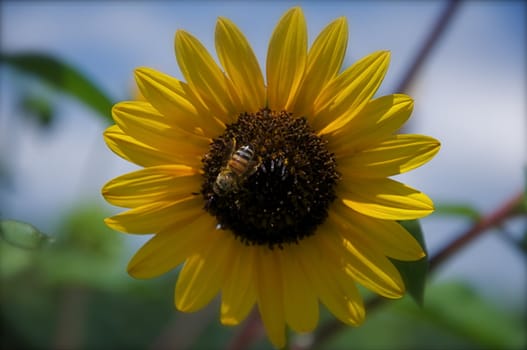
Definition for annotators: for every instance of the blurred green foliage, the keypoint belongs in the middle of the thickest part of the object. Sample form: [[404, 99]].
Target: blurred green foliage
[[38, 107], [61, 76], [454, 316], [414, 273], [457, 209], [22, 234], [74, 293]]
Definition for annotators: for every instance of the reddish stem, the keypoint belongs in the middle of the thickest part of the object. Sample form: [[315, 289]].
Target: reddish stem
[[494, 219], [431, 41], [251, 331]]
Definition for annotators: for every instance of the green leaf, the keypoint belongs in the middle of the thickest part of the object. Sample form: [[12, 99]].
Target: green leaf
[[451, 209], [62, 76], [456, 316], [414, 273], [38, 108], [21, 234], [85, 250], [459, 310]]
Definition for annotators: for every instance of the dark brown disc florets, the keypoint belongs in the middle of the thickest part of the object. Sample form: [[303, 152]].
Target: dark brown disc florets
[[269, 178]]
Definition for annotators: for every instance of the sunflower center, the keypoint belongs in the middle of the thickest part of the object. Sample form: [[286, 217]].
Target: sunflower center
[[269, 178]]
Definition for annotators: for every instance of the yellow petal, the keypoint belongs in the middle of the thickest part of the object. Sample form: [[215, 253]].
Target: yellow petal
[[335, 289], [268, 275], [134, 151], [170, 247], [385, 199], [324, 61], [144, 123], [392, 156], [177, 102], [349, 92], [239, 61], [206, 78], [388, 235], [300, 300], [342, 297], [364, 263], [379, 119], [239, 293], [153, 217], [154, 184], [286, 60], [203, 273]]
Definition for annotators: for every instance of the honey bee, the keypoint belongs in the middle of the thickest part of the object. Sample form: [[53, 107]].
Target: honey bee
[[242, 163]]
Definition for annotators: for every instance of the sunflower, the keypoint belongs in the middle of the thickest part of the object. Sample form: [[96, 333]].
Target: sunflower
[[271, 193]]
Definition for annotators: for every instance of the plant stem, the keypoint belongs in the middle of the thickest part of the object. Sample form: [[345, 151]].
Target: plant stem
[[430, 43], [494, 219], [252, 330]]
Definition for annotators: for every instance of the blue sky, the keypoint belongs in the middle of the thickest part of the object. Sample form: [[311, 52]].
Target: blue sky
[[470, 95]]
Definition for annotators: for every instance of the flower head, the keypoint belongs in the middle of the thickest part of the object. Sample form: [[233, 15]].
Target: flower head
[[271, 192]]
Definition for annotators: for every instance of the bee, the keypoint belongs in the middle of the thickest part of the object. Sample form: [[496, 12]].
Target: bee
[[242, 163]]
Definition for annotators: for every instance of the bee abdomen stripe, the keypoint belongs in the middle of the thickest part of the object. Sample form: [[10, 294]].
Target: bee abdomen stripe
[[238, 165], [245, 152]]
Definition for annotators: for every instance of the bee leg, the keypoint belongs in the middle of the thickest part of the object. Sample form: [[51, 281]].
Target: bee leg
[[210, 200], [254, 167], [233, 146]]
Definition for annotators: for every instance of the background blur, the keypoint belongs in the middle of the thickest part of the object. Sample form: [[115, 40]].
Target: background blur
[[75, 293]]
